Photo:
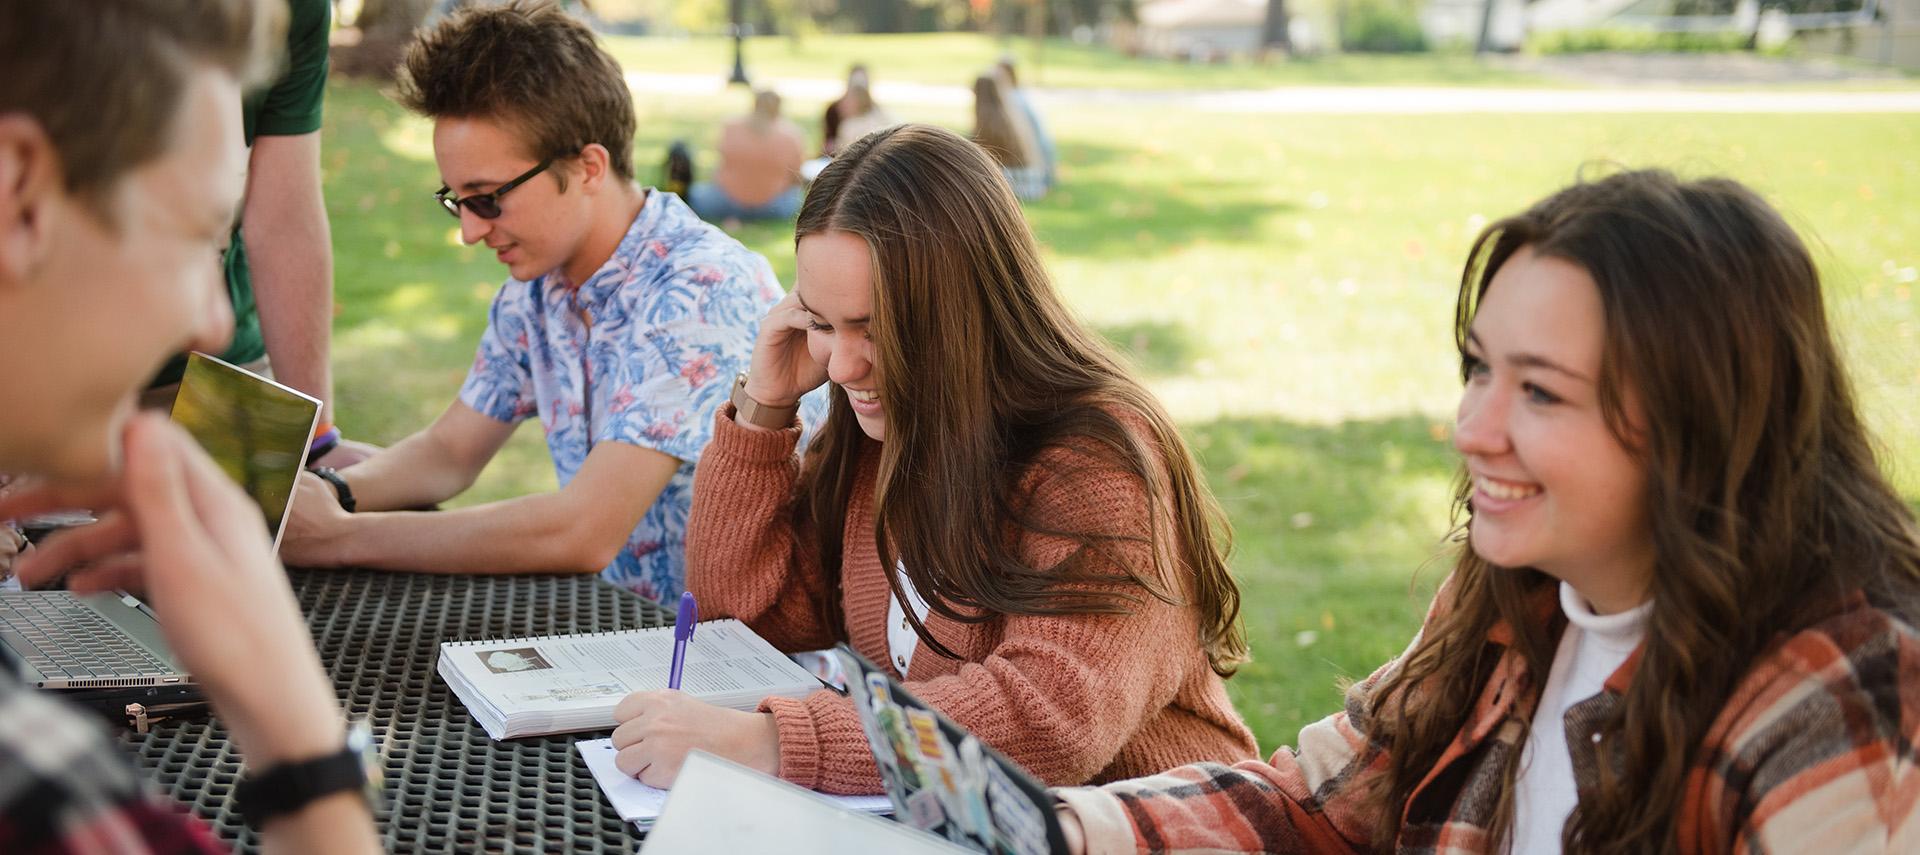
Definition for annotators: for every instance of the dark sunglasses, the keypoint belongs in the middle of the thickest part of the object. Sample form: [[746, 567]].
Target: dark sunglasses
[[486, 206]]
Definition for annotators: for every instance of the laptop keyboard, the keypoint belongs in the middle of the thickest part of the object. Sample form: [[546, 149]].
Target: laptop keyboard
[[62, 637]]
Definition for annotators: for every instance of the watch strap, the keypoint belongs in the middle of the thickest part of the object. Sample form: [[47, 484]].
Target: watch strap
[[340, 488], [288, 787], [746, 409]]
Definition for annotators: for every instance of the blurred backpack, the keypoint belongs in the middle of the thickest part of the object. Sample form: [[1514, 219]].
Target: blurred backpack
[[677, 172]]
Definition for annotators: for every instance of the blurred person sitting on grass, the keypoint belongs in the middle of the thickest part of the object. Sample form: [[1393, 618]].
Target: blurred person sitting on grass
[[995, 507], [854, 115], [120, 167], [1006, 135], [622, 323], [759, 173], [830, 120], [1023, 106], [1684, 615]]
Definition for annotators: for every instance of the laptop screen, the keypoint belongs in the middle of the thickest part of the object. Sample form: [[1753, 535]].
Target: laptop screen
[[256, 429]]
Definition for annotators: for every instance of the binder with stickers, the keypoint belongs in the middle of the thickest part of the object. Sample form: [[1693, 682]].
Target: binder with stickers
[[943, 779]]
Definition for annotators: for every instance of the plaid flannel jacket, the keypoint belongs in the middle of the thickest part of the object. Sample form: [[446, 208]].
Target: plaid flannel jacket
[[66, 788], [1814, 751]]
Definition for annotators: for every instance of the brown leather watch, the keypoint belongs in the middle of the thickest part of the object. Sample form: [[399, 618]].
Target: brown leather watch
[[750, 411]]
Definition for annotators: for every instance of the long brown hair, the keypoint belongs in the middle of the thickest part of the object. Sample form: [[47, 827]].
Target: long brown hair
[[1765, 503], [983, 367]]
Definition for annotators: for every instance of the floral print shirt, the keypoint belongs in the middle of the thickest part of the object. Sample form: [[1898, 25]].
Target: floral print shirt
[[643, 352]]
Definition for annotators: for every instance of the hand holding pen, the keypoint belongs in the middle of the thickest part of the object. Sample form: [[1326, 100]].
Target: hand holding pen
[[657, 729]]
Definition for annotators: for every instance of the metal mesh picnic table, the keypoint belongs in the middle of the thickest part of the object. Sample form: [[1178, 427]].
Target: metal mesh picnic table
[[449, 788]]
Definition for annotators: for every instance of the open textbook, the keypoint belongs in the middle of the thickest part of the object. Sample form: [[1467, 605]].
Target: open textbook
[[567, 683], [640, 804]]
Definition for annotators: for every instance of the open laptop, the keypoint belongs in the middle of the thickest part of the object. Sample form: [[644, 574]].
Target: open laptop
[[258, 432]]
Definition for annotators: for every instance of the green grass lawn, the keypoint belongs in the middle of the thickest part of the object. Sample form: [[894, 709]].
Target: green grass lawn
[[1286, 283]]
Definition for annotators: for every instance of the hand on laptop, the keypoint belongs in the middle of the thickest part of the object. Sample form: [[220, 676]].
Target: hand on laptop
[[174, 526], [316, 524], [1072, 830], [657, 729], [12, 543]]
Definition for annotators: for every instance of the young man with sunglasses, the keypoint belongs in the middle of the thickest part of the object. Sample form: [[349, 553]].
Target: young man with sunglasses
[[622, 327]]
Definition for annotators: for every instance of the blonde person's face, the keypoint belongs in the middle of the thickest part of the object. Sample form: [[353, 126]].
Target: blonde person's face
[[1553, 488], [835, 284], [539, 228], [108, 304]]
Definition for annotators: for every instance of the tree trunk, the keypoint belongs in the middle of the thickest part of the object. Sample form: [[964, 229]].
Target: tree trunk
[[1484, 43], [385, 27], [1274, 33]]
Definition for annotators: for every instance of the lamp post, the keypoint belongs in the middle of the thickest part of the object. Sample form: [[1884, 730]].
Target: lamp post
[[739, 64]]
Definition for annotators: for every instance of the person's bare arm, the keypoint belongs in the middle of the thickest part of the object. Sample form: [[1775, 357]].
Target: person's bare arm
[[579, 529], [290, 255], [431, 466]]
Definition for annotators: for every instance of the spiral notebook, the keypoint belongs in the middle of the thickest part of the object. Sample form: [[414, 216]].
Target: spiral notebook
[[568, 683]]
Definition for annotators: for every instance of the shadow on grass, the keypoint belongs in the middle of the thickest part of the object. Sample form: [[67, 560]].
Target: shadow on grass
[[1332, 523], [1115, 201]]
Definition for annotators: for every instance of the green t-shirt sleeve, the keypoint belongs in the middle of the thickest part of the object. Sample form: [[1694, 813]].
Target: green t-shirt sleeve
[[292, 105]]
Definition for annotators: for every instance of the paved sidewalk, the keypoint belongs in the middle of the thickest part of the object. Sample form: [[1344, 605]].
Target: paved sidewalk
[[1408, 100]]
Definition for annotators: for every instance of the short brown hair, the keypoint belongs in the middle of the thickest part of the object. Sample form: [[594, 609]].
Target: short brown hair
[[529, 65], [106, 78]]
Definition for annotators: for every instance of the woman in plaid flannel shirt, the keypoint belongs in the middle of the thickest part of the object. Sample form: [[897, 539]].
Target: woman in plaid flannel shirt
[[1685, 617]]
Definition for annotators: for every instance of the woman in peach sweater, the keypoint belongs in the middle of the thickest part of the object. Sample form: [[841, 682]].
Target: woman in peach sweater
[[994, 507]]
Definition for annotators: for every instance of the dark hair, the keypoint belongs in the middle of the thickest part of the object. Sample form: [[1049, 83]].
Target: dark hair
[[983, 368], [1765, 504], [106, 78], [525, 64], [1005, 64]]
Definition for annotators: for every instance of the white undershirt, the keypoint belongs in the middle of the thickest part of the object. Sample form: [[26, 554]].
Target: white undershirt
[[1593, 647], [901, 639]]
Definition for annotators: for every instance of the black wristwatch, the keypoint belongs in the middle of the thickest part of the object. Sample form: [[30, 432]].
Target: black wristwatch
[[287, 787], [340, 487]]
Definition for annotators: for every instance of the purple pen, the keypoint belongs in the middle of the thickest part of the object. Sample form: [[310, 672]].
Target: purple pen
[[682, 633]]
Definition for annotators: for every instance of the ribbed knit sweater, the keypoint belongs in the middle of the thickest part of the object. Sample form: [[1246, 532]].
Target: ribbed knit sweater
[[1075, 699]]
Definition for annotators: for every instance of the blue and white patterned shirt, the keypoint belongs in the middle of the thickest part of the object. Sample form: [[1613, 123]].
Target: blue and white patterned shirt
[[643, 353]]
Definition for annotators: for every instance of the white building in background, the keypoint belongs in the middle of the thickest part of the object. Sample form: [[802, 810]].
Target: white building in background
[[1201, 29], [1457, 22], [1206, 30], [1884, 31], [1892, 37]]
